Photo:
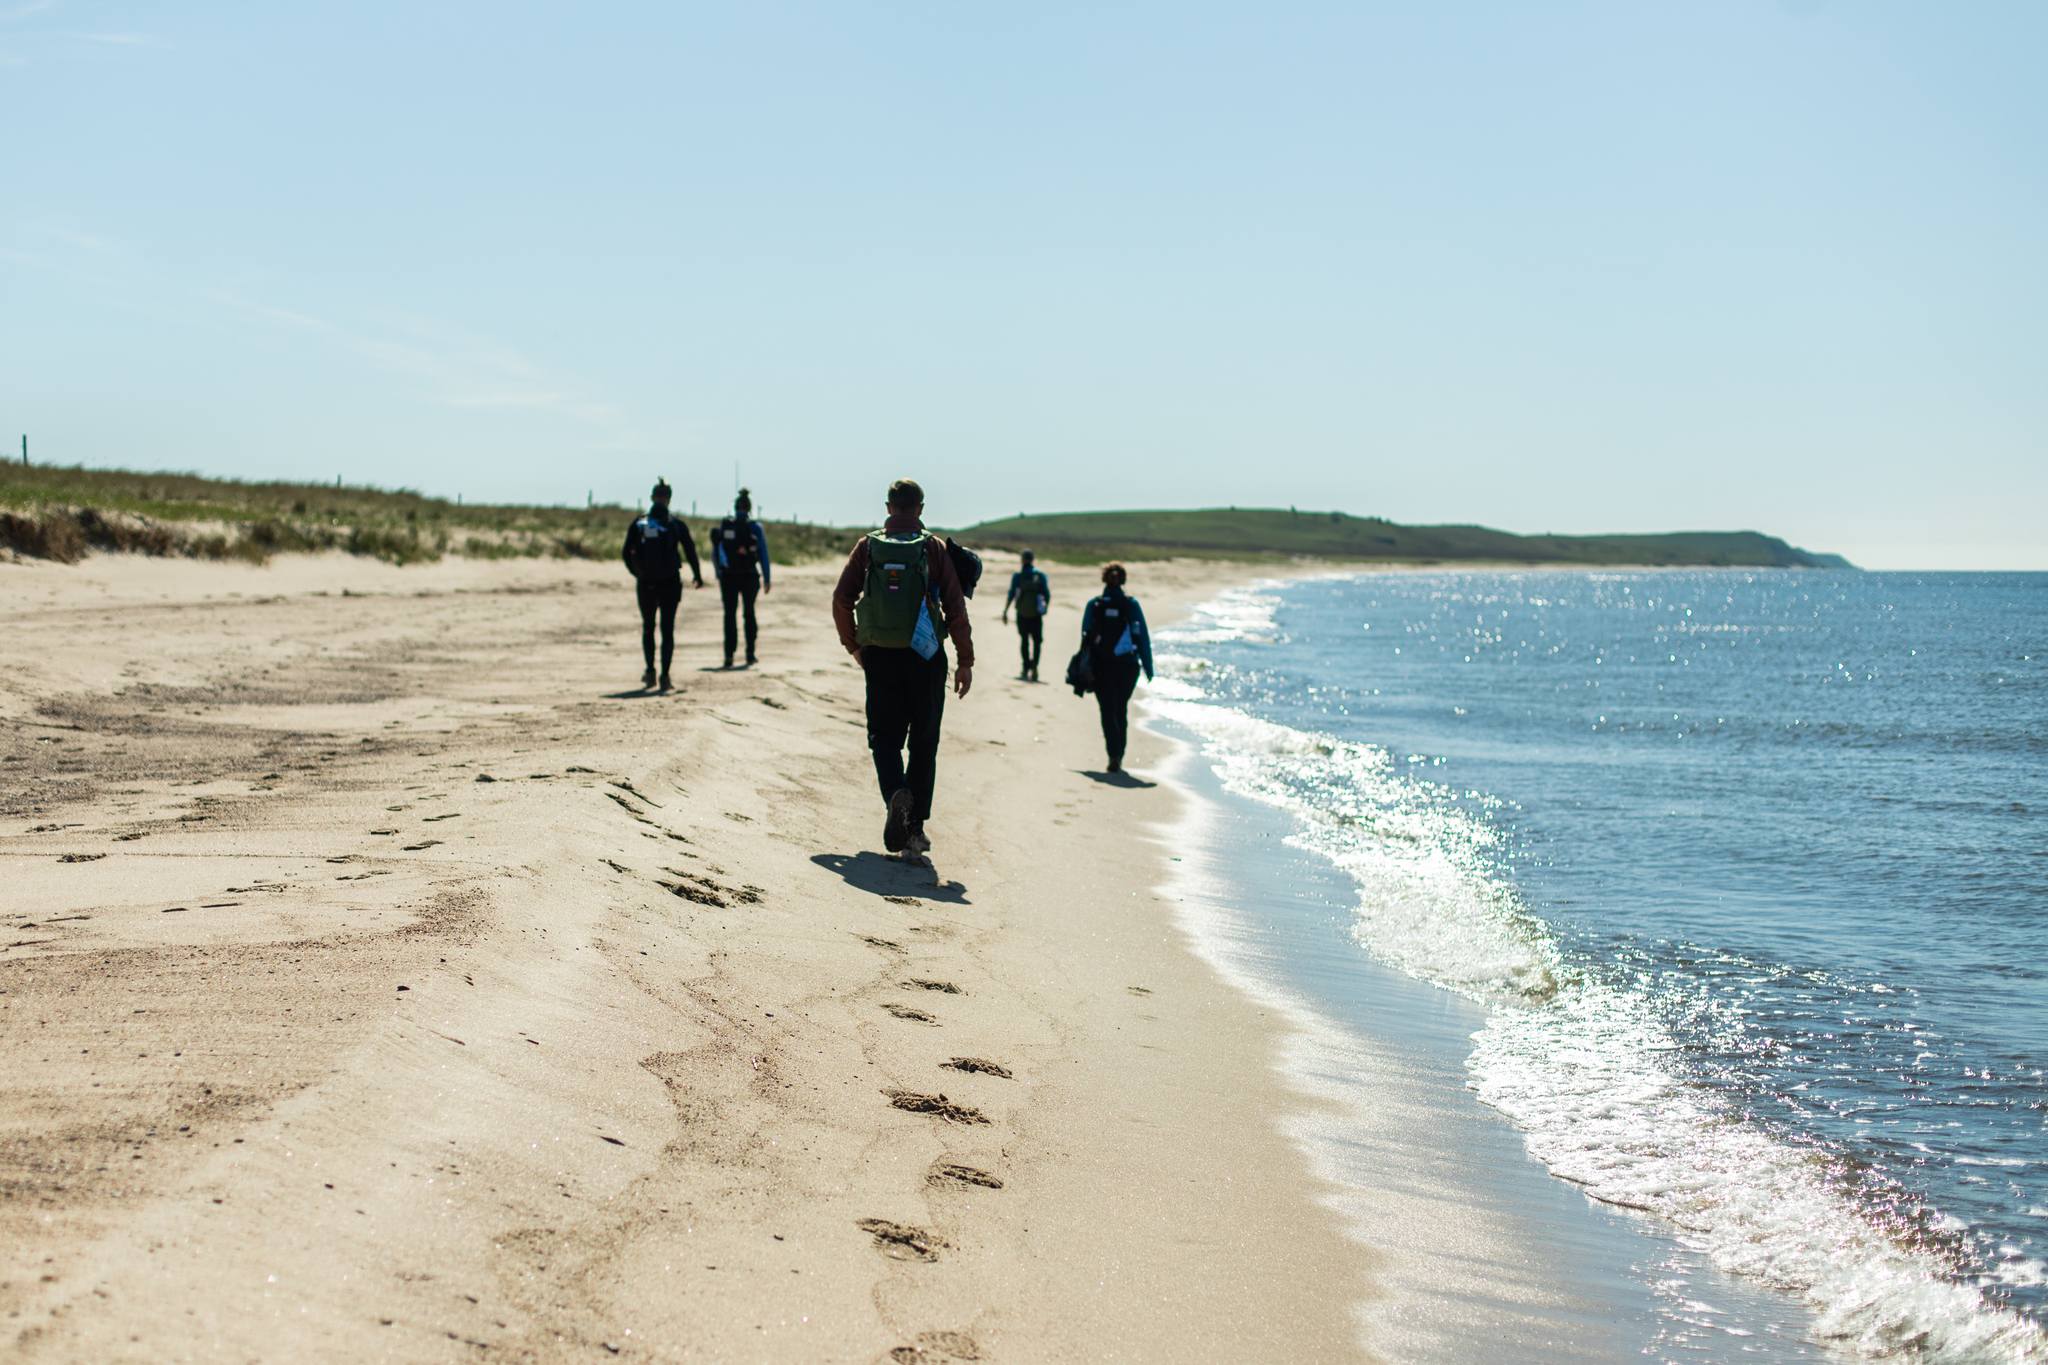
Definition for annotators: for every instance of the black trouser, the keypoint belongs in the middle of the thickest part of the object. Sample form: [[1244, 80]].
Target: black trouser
[[906, 699], [1115, 680], [738, 586], [661, 595], [1030, 640]]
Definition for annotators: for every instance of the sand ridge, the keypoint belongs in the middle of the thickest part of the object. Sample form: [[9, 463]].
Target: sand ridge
[[417, 987]]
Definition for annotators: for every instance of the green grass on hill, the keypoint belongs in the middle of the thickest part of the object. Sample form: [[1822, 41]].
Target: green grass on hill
[[1260, 533], [54, 512]]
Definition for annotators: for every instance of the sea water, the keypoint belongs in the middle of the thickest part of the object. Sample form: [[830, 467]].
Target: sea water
[[1740, 881]]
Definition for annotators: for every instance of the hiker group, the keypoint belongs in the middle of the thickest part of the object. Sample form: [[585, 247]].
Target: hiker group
[[900, 598], [658, 544]]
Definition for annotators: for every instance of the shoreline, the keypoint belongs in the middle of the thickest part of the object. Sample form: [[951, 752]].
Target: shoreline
[[1284, 956], [620, 997], [1498, 1258]]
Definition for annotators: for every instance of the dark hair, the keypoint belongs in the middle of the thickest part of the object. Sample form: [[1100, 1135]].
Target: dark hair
[[906, 495], [745, 499], [1029, 556], [1114, 575], [661, 488]]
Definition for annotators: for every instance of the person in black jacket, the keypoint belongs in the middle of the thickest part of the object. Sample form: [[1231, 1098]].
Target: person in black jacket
[[739, 555], [656, 546], [1118, 644]]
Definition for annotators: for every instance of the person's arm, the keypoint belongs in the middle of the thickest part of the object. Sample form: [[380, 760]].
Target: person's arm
[[761, 544], [627, 553], [718, 551], [852, 579], [1088, 621], [690, 552], [1143, 637]]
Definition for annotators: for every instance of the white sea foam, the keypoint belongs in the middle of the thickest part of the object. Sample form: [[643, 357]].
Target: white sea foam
[[1582, 1068], [1239, 614]]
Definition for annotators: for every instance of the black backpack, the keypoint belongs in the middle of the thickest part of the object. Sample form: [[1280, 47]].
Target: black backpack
[[655, 541], [966, 565], [738, 539]]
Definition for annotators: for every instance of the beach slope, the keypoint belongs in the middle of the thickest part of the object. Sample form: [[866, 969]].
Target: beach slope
[[385, 975]]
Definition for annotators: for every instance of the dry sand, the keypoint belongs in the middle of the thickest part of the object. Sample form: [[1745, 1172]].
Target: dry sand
[[385, 977]]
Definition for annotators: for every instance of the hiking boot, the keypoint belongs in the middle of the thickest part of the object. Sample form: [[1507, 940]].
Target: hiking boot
[[1116, 765], [728, 661], [647, 678], [917, 844], [896, 829], [751, 660], [664, 682]]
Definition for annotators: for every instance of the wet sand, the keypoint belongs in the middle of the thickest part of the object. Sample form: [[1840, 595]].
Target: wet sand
[[386, 975]]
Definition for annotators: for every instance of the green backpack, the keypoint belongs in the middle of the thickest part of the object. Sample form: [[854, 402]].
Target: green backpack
[[899, 585], [1031, 593]]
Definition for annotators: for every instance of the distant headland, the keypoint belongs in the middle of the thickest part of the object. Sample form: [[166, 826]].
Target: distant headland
[[1288, 533]]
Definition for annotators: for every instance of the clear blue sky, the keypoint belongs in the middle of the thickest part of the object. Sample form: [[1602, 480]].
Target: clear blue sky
[[1573, 267]]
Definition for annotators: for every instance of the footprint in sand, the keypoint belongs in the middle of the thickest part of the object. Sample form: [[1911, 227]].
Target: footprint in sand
[[424, 843], [929, 1348], [915, 1016], [883, 943], [916, 1102], [981, 1066], [923, 984], [901, 1241], [958, 1173]]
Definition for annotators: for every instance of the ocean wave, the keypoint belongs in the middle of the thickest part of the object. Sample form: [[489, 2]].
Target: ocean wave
[[1585, 1069], [1245, 613]]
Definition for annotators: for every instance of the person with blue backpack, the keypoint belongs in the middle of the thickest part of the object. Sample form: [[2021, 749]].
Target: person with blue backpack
[[739, 555], [1117, 646], [901, 594], [1031, 595], [656, 546]]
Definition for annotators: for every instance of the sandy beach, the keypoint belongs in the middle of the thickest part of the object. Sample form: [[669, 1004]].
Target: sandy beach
[[387, 977]]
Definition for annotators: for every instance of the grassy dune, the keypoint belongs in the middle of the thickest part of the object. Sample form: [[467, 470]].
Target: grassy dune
[[54, 512], [1259, 533]]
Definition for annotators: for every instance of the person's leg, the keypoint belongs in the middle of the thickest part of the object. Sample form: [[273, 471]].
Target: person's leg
[[1105, 703], [1114, 690], [671, 598], [888, 715], [748, 590], [729, 593], [927, 693], [650, 603], [1036, 645]]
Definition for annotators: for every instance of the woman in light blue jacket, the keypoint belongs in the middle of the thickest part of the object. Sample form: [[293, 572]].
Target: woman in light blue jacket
[[1113, 632]]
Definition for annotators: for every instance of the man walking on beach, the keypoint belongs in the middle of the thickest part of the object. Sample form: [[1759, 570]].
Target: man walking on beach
[[897, 599], [656, 546], [1030, 594], [739, 555]]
